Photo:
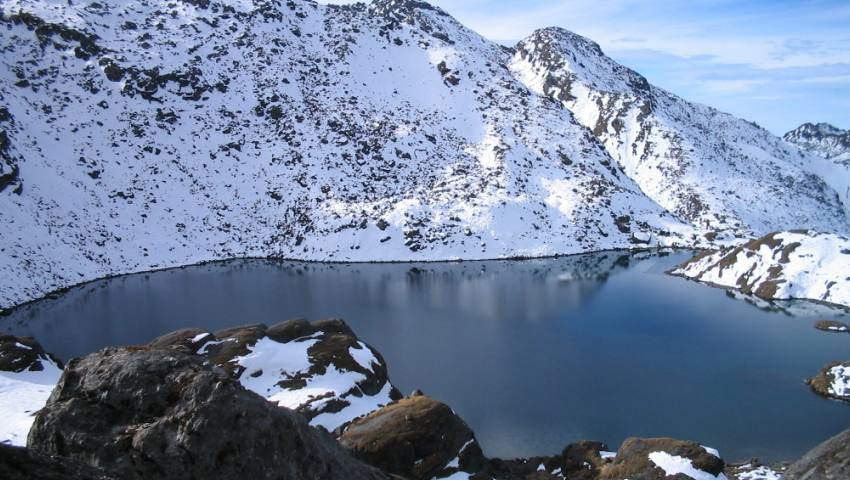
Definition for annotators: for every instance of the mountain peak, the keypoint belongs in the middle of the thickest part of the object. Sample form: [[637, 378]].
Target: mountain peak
[[567, 38], [822, 139]]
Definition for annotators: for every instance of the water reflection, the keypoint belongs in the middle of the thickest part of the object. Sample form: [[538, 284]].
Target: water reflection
[[533, 354]]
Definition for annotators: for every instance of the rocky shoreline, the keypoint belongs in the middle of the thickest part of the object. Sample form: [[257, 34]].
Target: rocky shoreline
[[296, 400]]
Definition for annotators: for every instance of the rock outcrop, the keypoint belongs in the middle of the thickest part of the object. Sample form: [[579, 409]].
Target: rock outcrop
[[833, 381], [27, 376], [828, 461], [832, 326], [660, 458], [153, 413], [320, 369], [416, 437]]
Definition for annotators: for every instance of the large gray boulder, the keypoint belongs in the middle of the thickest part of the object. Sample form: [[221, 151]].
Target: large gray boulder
[[828, 461], [162, 413], [18, 463]]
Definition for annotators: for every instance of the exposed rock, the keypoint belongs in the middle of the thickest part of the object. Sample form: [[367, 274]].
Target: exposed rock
[[822, 139], [346, 378], [798, 264], [416, 437], [17, 463], [18, 354], [833, 381], [27, 376], [755, 470], [150, 413], [832, 326], [653, 459], [828, 461]]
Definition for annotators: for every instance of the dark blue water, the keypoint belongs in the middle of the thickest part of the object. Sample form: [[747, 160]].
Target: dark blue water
[[533, 354]]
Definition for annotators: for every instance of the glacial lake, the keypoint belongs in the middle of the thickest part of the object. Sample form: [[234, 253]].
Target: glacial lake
[[532, 354]]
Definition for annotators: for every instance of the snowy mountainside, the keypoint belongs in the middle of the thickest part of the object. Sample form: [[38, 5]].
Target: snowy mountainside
[[153, 134], [782, 265], [710, 168], [150, 134], [822, 139]]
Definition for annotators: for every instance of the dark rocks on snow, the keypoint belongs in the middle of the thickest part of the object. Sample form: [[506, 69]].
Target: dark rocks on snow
[[18, 354], [162, 413], [18, 463], [828, 461]]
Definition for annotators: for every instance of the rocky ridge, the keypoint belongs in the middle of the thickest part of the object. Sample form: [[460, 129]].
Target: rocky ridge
[[728, 176]]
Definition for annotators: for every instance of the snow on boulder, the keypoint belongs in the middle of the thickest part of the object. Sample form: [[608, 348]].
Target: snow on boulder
[[783, 265], [319, 369], [659, 458], [27, 376], [833, 381]]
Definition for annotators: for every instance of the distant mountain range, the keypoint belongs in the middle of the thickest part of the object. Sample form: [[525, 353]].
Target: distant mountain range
[[149, 134]]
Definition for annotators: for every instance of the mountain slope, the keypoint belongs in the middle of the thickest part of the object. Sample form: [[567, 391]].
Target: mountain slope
[[161, 133], [708, 167], [822, 139]]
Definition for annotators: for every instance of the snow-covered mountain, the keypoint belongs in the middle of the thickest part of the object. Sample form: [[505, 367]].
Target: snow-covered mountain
[[822, 139], [709, 168], [149, 134]]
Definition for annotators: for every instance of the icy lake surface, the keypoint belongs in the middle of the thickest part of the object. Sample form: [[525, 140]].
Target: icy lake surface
[[533, 354]]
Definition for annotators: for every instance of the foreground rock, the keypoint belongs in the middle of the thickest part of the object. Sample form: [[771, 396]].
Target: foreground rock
[[319, 369], [421, 438], [27, 376], [416, 437], [660, 458], [784, 265], [828, 461], [18, 463], [832, 326], [154, 413], [833, 381]]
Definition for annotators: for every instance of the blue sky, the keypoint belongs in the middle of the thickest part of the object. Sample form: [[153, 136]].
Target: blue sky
[[778, 63]]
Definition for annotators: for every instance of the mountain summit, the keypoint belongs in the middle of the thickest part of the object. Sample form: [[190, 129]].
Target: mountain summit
[[150, 134]]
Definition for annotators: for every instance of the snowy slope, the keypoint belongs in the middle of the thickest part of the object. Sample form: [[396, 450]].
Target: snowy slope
[[784, 265], [710, 168], [822, 139], [149, 134], [157, 133]]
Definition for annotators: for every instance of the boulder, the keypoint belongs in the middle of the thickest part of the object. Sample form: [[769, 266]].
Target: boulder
[[346, 377], [828, 461], [833, 381], [18, 463], [415, 437], [163, 413], [662, 458]]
